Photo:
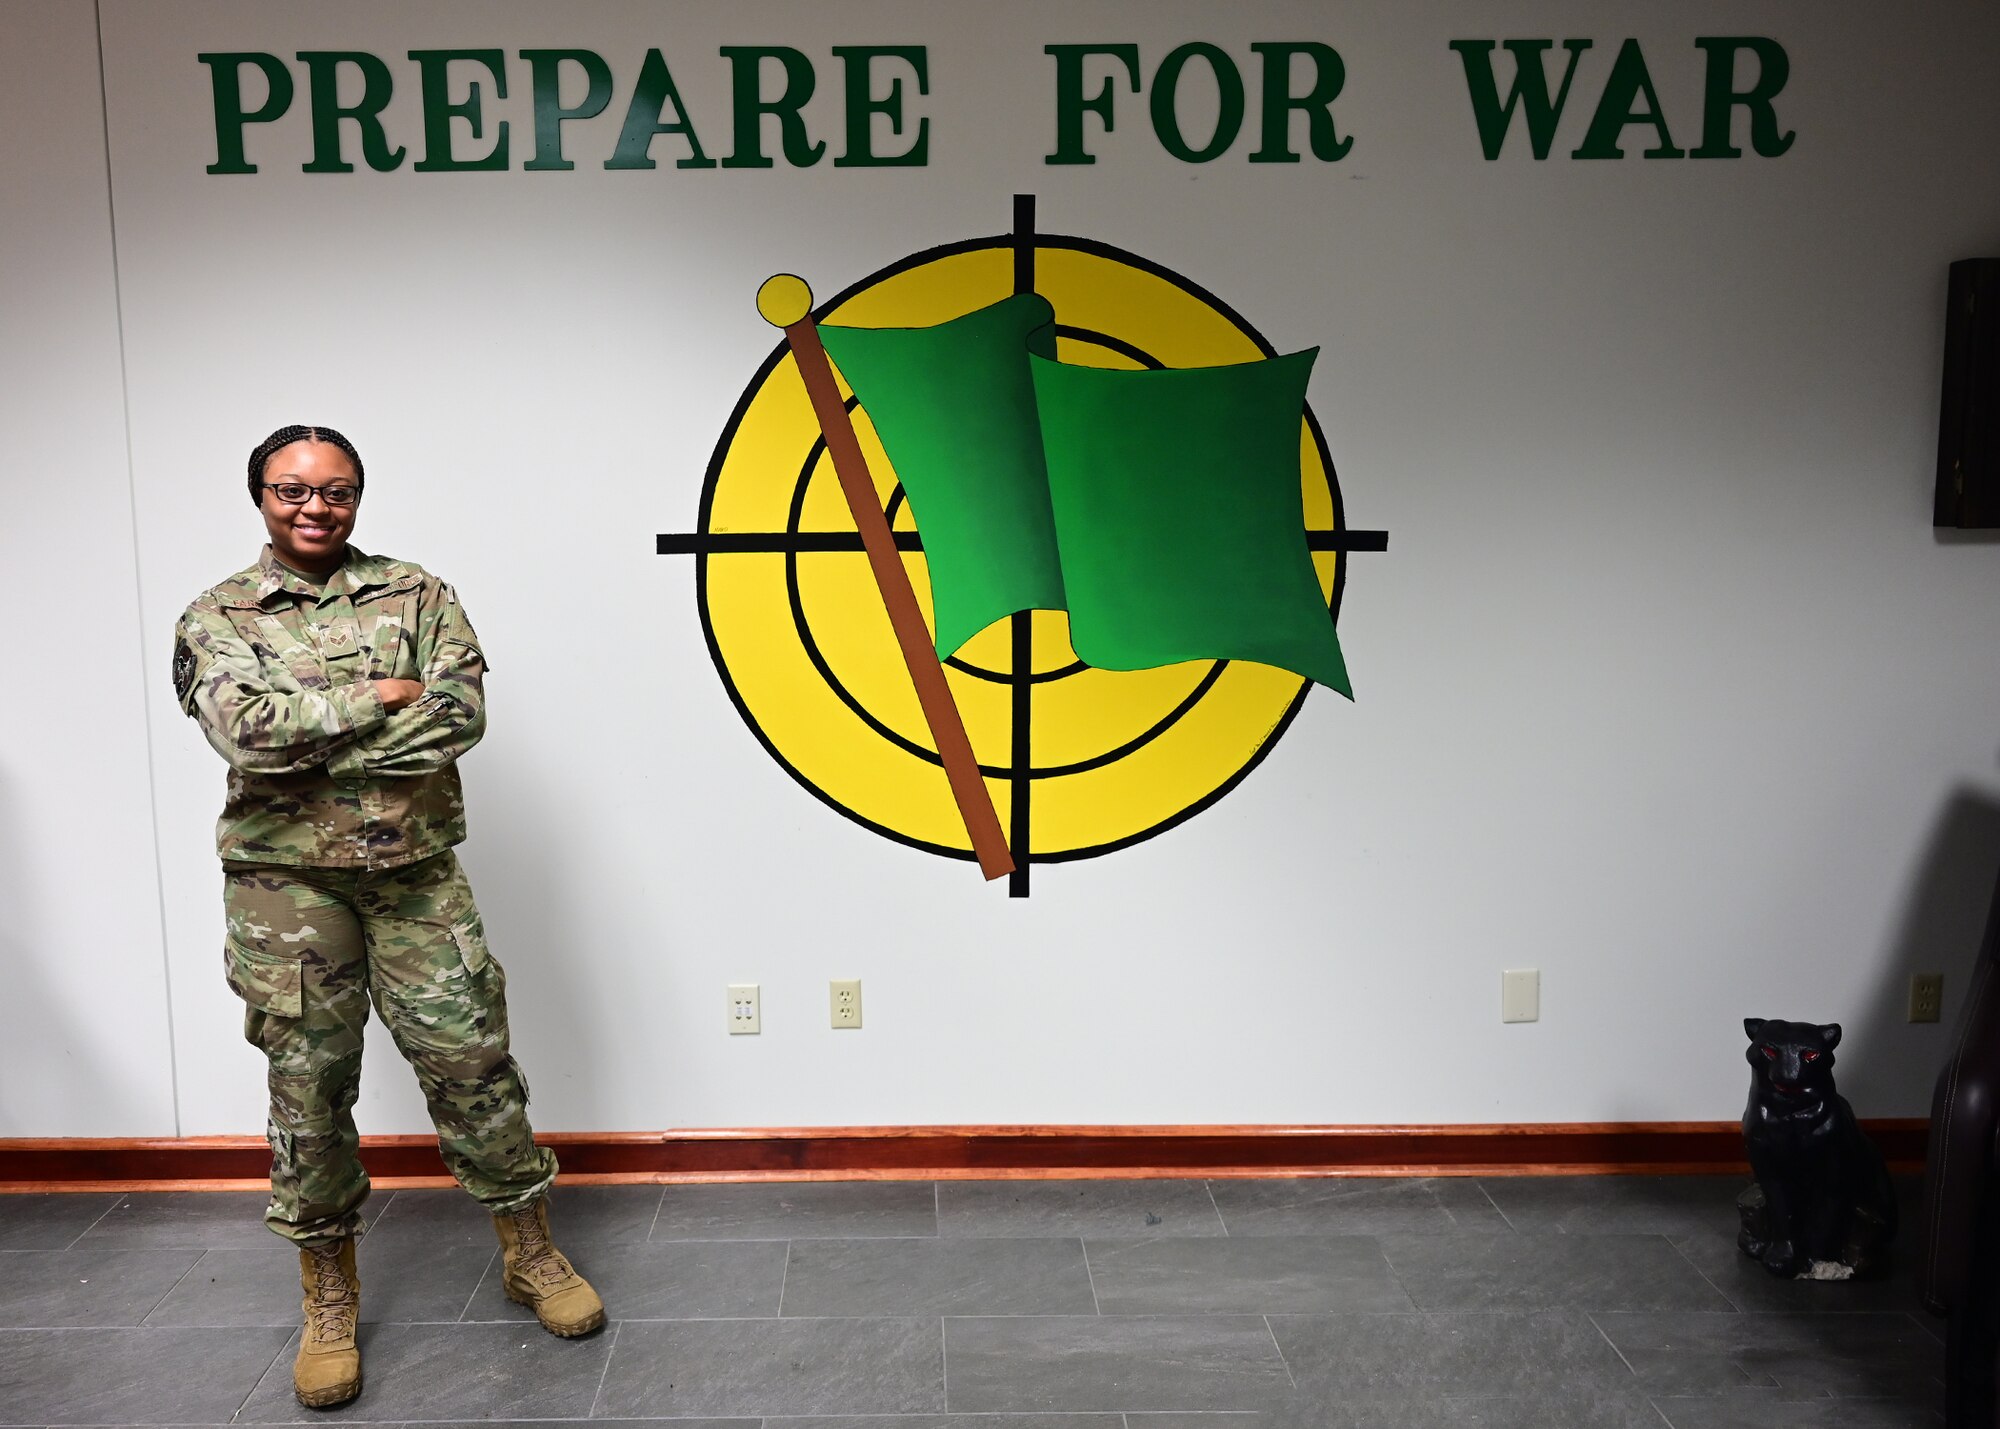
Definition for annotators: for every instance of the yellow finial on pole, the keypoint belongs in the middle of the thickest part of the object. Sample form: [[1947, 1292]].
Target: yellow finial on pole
[[784, 299]]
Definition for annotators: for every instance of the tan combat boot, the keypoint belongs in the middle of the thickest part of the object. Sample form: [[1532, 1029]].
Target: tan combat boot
[[538, 1275], [328, 1369]]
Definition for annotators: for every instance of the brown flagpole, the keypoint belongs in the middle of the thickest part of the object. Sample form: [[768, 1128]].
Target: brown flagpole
[[786, 302]]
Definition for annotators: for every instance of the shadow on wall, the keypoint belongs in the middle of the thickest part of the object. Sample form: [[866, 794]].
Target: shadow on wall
[[1966, 536], [1944, 917], [50, 1081]]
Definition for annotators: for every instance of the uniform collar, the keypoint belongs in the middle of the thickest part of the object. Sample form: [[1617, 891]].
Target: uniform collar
[[357, 573]]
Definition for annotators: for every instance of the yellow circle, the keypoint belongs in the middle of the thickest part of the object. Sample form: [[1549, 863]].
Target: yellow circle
[[783, 299], [808, 652]]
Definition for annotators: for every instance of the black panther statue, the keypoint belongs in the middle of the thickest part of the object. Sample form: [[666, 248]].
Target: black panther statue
[[1823, 1207]]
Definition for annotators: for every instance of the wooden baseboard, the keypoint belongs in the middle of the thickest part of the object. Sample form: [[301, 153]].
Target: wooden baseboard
[[963, 1153]]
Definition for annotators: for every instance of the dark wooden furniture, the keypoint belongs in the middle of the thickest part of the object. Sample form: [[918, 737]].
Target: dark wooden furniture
[[1958, 1271], [1968, 466]]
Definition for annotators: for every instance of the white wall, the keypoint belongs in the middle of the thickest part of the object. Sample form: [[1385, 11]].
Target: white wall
[[83, 1021], [1666, 685]]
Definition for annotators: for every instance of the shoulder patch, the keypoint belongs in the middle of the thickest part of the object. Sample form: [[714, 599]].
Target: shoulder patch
[[183, 668]]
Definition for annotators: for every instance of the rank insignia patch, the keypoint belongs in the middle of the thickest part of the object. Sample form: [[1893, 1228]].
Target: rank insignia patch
[[183, 669]]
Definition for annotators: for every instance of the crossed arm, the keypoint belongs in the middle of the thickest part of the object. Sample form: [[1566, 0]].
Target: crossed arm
[[386, 728]]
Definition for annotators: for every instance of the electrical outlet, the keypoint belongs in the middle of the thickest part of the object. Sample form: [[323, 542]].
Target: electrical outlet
[[746, 1012], [1521, 995], [844, 995], [1926, 996]]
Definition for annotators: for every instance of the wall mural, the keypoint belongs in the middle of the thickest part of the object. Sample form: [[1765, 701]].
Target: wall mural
[[1199, 570]]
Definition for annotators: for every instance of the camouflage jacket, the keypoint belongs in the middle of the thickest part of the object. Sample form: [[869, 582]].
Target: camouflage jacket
[[278, 673]]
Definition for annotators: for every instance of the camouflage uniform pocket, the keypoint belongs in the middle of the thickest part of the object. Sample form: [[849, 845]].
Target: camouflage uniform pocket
[[470, 935], [455, 1031], [268, 982]]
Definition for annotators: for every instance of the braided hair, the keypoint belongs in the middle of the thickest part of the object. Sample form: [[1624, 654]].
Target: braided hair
[[284, 437]]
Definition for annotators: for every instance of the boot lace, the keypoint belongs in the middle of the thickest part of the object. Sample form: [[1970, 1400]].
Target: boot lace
[[330, 1312], [535, 1254]]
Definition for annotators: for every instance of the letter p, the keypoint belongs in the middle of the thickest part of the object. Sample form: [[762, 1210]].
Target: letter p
[[225, 73]]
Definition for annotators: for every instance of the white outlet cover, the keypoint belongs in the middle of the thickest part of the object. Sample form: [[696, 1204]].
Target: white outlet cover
[[843, 996], [1521, 995], [746, 1009]]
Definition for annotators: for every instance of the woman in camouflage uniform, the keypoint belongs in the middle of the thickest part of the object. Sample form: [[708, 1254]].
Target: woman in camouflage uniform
[[342, 688]]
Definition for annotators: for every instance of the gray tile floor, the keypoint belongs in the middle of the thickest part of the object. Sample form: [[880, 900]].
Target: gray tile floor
[[1542, 1303]]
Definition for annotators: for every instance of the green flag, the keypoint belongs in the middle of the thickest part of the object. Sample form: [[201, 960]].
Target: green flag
[[954, 406], [1161, 509]]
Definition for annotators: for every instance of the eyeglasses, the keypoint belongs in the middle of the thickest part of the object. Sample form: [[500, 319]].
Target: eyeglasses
[[297, 493]]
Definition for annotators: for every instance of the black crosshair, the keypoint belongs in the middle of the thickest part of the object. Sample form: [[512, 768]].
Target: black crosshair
[[1021, 677]]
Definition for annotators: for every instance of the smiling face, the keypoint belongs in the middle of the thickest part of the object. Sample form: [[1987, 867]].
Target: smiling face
[[311, 537]]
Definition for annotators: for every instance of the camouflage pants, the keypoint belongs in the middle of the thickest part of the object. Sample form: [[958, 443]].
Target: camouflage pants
[[308, 948]]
